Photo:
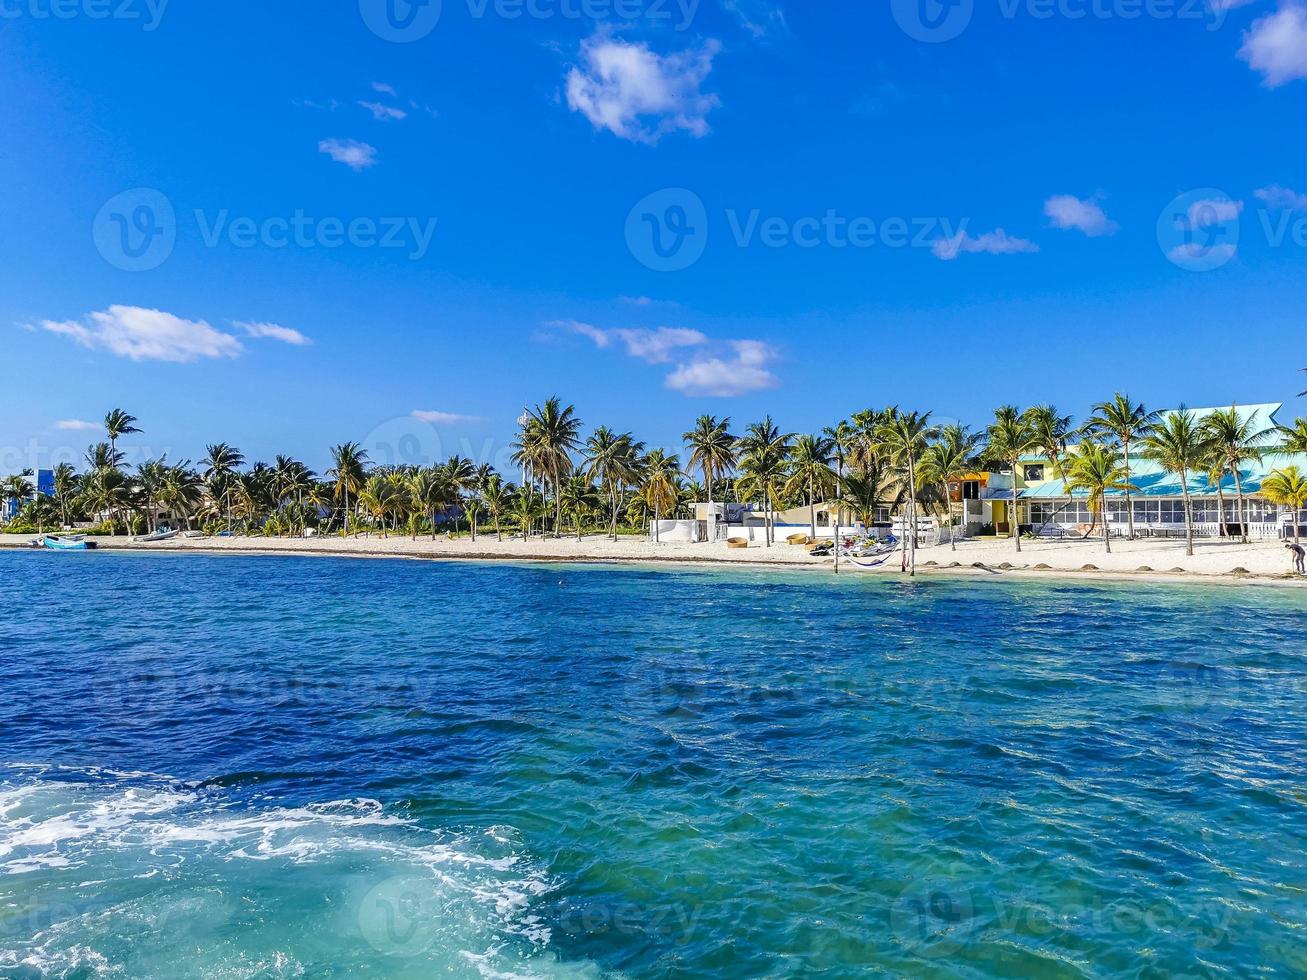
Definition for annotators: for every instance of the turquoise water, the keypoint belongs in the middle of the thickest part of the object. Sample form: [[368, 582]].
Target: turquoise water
[[280, 767]]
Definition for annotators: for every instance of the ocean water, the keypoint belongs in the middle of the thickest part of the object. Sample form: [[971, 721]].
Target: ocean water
[[288, 767]]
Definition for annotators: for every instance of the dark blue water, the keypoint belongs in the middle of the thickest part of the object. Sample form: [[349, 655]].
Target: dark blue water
[[267, 767]]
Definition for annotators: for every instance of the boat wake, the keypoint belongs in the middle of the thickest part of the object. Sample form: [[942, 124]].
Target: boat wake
[[135, 874]]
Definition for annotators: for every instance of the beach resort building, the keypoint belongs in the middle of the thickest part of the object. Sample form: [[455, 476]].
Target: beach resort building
[[1045, 506]]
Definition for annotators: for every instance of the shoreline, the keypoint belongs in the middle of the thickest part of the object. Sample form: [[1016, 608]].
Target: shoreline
[[938, 562]]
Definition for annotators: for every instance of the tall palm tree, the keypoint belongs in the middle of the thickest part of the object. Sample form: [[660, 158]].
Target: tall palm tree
[[811, 473], [180, 491], [549, 435], [712, 449], [905, 436], [1288, 488], [579, 498], [220, 463], [149, 480], [497, 497], [1097, 470], [661, 472], [65, 489], [106, 491], [118, 423], [527, 505], [947, 461], [349, 470], [613, 460], [1176, 444], [1012, 435], [431, 491], [1053, 432], [461, 473], [1235, 441], [763, 456], [103, 456], [1127, 422], [14, 490]]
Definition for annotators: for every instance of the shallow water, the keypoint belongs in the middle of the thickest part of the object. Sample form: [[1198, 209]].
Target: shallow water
[[274, 767]]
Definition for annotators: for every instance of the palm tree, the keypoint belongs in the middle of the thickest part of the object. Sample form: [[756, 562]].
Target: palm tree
[[180, 491], [949, 460], [579, 497], [763, 455], [102, 456], [1288, 488], [1096, 469], [1126, 422], [527, 505], [549, 435], [220, 462], [712, 449], [14, 490], [1234, 442], [349, 468], [105, 491], [497, 496], [613, 460], [1053, 431], [1176, 444], [149, 480], [1295, 438], [905, 436], [118, 423], [661, 472], [65, 489], [1011, 436], [461, 474], [431, 492], [810, 472]]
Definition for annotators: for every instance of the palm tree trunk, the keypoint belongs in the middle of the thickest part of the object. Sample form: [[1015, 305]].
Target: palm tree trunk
[[912, 508], [812, 509], [1243, 506], [1129, 507], [1188, 515], [1107, 531], [1012, 518], [1220, 509]]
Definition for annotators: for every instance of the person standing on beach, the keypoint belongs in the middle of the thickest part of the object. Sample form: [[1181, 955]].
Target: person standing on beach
[[1298, 555]]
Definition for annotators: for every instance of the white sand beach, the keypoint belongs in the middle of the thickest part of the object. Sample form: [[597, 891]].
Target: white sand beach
[[1157, 559]]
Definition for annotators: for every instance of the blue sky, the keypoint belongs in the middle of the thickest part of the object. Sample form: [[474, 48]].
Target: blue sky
[[855, 204]]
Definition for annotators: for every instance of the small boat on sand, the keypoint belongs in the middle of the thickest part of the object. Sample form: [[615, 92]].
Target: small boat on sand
[[76, 542], [156, 536]]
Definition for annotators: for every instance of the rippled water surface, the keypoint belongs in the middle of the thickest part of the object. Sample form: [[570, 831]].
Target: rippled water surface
[[278, 767]]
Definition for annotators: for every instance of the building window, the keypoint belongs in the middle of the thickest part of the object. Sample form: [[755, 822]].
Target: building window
[[1035, 473], [970, 489]]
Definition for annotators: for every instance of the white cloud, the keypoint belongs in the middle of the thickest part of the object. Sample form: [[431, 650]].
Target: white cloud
[[639, 95], [443, 418], [1276, 45], [758, 17], [273, 331], [651, 346], [1071, 213], [146, 335], [997, 242], [1214, 211], [352, 153], [728, 377], [384, 89], [383, 113], [1282, 198], [77, 425]]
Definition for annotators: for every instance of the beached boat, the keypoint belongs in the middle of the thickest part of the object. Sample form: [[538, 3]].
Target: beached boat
[[75, 542], [156, 536]]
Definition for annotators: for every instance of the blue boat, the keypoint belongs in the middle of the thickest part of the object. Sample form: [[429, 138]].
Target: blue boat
[[66, 544]]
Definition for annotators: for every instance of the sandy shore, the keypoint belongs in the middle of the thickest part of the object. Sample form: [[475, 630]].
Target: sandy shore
[[1160, 560]]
